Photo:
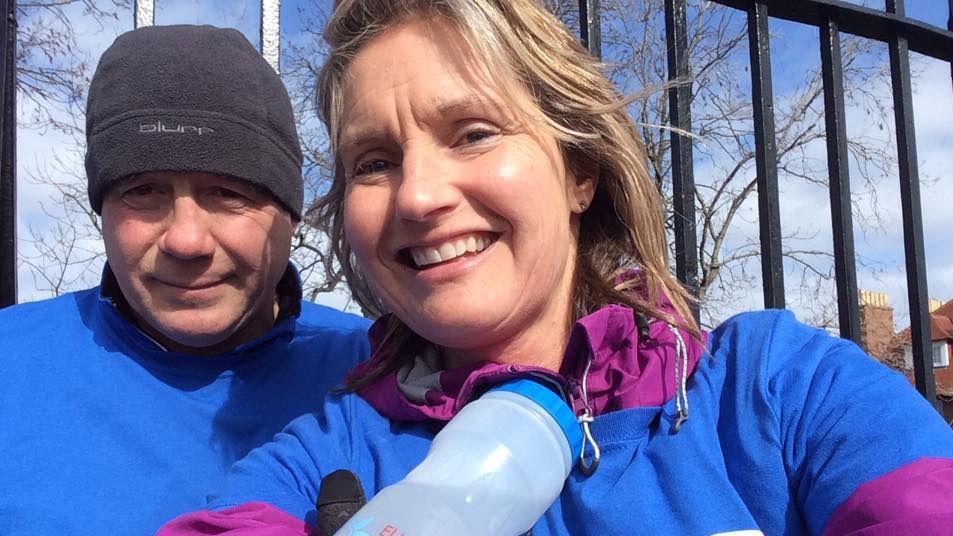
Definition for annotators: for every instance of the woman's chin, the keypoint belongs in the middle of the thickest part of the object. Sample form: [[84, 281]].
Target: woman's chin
[[461, 334], [473, 335]]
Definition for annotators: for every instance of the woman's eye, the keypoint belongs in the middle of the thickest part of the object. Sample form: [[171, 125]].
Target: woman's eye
[[473, 137], [476, 136], [371, 167]]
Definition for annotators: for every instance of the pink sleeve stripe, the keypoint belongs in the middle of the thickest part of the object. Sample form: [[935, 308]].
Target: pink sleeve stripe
[[253, 518], [914, 499]]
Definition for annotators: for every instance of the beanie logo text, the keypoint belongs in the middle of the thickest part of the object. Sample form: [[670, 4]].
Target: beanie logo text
[[159, 126]]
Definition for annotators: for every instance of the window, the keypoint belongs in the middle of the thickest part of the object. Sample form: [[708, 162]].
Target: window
[[941, 354]]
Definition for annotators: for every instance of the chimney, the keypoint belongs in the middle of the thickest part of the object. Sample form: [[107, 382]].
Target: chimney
[[934, 304], [876, 323]]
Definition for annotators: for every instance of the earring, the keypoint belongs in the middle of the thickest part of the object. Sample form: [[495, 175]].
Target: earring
[[582, 206]]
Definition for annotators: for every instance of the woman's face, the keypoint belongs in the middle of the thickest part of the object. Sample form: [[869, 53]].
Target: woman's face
[[459, 211]]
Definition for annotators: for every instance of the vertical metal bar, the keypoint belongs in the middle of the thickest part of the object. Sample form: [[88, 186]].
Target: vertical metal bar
[[271, 32], [145, 13], [683, 176], [845, 268], [766, 155], [8, 179], [910, 204], [590, 32], [949, 26]]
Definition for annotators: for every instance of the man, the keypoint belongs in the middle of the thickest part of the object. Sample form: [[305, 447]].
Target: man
[[122, 405]]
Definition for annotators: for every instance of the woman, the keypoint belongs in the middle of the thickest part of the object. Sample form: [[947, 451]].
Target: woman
[[490, 195]]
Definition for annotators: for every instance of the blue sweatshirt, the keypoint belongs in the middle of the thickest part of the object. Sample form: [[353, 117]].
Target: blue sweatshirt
[[103, 432], [790, 431]]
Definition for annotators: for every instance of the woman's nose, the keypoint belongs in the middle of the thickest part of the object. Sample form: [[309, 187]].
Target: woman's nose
[[427, 185]]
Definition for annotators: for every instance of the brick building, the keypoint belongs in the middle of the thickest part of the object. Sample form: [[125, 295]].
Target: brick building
[[878, 339]]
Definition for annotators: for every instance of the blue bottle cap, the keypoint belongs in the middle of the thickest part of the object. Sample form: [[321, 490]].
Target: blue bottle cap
[[553, 404]]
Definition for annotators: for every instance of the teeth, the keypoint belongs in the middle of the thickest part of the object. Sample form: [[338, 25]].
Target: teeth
[[452, 249], [447, 251]]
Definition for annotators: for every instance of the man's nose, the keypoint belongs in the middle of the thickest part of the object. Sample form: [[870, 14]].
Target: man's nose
[[188, 234]]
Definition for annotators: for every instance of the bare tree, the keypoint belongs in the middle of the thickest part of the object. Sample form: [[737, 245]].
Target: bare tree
[[53, 73], [634, 47], [66, 252], [303, 59]]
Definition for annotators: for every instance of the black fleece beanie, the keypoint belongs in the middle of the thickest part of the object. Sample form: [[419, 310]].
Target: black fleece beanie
[[190, 98]]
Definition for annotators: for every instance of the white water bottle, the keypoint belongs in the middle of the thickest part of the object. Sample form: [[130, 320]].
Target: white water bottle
[[494, 470]]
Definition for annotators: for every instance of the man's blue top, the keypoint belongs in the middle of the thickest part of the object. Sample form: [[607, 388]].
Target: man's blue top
[[104, 432]]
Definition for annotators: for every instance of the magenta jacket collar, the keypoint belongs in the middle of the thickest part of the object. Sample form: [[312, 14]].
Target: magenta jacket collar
[[626, 370]]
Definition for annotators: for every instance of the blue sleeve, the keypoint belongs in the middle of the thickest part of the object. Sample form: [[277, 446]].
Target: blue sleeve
[[287, 472], [842, 418]]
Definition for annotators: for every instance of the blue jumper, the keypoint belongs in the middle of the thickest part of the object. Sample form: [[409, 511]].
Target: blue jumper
[[786, 423], [104, 432]]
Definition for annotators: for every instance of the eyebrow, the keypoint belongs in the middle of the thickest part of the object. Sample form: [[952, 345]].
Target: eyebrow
[[468, 102], [362, 137]]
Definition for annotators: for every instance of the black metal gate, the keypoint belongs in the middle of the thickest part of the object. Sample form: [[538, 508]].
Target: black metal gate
[[831, 17]]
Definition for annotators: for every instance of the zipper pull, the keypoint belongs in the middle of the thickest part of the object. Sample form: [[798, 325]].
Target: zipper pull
[[588, 468], [584, 419]]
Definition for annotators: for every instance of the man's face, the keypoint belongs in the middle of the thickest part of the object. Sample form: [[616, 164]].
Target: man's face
[[197, 256]]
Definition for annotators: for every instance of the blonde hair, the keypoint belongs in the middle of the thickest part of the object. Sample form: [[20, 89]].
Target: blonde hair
[[622, 229]]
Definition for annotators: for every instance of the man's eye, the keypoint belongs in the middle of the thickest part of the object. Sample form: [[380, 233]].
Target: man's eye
[[225, 193], [143, 197], [141, 190], [230, 199]]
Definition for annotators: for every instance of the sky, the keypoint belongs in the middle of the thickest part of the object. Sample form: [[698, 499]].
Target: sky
[[794, 49]]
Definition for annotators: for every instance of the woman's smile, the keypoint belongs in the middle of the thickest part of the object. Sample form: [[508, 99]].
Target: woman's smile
[[441, 253]]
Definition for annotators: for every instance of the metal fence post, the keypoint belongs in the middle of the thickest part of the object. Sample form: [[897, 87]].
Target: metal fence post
[[766, 155], [8, 179], [144, 12], [590, 30], [912, 216], [680, 118], [270, 33], [845, 269]]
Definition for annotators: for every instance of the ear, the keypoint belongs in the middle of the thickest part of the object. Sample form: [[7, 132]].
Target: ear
[[583, 180]]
